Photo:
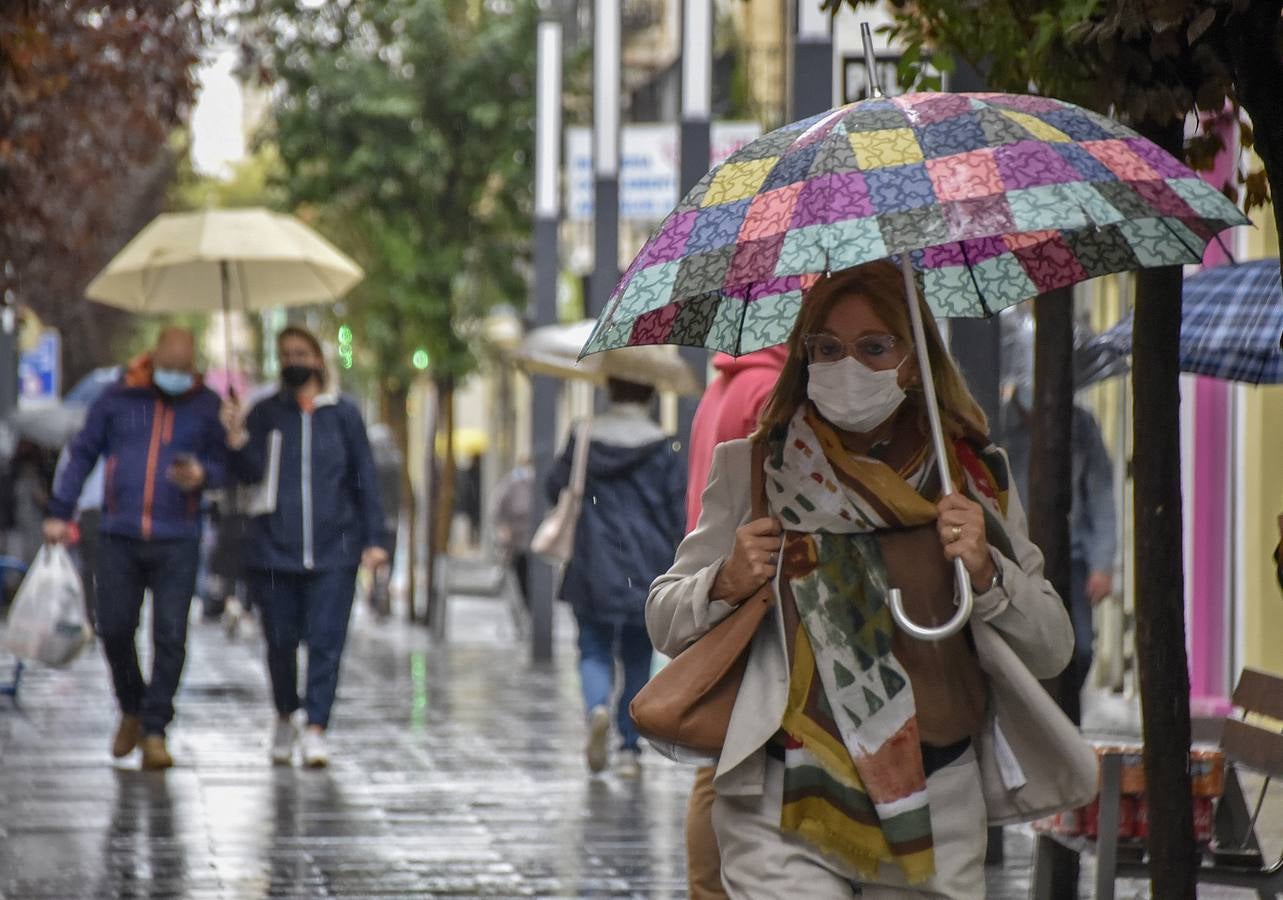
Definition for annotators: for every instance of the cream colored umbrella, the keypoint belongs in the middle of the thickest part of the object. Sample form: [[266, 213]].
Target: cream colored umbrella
[[252, 259], [205, 261], [554, 350]]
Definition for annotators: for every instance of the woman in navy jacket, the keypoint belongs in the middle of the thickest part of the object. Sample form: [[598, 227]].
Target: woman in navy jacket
[[315, 517]]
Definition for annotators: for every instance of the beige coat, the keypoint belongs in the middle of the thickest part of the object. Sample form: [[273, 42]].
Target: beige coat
[[1032, 759]]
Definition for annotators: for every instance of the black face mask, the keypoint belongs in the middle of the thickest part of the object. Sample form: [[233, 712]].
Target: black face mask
[[297, 376]]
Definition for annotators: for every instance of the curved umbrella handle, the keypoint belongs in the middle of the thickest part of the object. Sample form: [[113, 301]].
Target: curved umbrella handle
[[965, 594], [966, 600]]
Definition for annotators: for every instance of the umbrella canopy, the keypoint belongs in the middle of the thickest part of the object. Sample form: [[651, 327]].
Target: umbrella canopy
[[985, 199], [996, 197], [197, 262], [1093, 360], [88, 388], [554, 350], [48, 425], [1231, 324]]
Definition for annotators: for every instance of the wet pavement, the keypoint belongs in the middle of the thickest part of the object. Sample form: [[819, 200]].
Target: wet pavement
[[457, 771]]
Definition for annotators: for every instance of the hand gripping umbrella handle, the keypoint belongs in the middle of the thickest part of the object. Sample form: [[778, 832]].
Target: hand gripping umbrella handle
[[966, 600]]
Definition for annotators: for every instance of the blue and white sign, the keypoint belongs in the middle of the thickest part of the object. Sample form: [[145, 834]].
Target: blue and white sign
[[648, 167], [40, 370]]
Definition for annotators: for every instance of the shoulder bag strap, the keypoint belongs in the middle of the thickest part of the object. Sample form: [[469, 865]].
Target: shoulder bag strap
[[579, 464]]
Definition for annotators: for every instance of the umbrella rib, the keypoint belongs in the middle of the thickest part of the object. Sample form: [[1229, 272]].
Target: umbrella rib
[[1197, 254], [1225, 250], [739, 333], [984, 307]]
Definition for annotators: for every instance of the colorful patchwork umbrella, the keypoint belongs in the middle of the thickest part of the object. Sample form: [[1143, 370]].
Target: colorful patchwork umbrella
[[986, 199], [996, 197], [1231, 324]]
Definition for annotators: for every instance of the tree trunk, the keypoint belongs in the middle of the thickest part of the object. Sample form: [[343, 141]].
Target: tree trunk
[[441, 513], [445, 494], [394, 403], [1051, 495], [1160, 586], [1254, 37]]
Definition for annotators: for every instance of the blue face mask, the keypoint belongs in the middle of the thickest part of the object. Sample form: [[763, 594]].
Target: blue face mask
[[173, 383]]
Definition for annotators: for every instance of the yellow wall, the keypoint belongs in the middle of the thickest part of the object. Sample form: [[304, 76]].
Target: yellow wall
[[1263, 496], [1261, 504]]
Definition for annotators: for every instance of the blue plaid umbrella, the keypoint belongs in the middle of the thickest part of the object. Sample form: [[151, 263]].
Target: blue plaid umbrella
[[1231, 324]]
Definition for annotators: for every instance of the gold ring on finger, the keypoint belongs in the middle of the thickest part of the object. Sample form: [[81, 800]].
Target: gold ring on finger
[[957, 532]]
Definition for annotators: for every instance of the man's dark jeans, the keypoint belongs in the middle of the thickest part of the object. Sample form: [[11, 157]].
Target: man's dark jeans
[[127, 568], [304, 606]]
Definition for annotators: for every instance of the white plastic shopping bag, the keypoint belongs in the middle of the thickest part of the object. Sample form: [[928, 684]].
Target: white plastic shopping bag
[[47, 620]]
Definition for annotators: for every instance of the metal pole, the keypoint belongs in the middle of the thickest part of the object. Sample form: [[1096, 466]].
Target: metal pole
[[961, 577], [544, 403], [226, 280], [812, 76], [8, 355], [606, 74], [696, 143]]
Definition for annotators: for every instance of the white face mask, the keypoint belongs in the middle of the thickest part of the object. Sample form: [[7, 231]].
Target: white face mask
[[852, 396]]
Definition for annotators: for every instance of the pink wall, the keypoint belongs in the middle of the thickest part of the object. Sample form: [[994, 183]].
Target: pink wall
[[1213, 483], [1209, 605]]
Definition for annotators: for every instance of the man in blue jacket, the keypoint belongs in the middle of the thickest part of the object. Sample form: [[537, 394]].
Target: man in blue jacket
[[158, 433]]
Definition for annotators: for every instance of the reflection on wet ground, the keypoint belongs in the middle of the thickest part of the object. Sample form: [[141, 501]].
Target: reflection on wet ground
[[457, 772]]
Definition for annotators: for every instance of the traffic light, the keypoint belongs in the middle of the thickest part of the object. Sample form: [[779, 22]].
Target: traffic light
[[422, 359], [345, 346]]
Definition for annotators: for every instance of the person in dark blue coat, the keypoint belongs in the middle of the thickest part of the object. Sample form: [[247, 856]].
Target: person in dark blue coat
[[315, 517], [157, 432], [632, 519]]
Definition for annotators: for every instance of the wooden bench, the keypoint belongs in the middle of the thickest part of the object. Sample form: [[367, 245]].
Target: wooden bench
[[1235, 856]]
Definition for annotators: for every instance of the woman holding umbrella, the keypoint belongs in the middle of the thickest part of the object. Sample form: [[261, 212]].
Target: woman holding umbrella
[[315, 518], [858, 757]]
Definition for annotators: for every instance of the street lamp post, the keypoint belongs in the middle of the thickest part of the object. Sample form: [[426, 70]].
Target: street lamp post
[[606, 74], [695, 142], [544, 402], [812, 76]]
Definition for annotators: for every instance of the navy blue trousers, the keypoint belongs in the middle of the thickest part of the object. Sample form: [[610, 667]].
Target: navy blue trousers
[[304, 607], [600, 644], [1080, 613], [127, 568]]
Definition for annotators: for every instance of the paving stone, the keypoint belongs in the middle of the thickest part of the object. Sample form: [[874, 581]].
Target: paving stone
[[457, 771]]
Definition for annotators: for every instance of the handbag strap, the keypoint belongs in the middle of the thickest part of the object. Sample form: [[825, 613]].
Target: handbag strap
[[758, 479], [579, 464]]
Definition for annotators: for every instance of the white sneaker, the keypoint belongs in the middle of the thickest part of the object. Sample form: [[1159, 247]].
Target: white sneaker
[[283, 742], [598, 734], [315, 753], [628, 763], [233, 612]]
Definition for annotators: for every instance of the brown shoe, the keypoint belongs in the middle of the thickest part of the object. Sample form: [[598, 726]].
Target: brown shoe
[[128, 733], [155, 756]]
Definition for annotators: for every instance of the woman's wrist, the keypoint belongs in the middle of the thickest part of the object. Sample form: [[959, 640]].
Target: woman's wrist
[[720, 590], [988, 578]]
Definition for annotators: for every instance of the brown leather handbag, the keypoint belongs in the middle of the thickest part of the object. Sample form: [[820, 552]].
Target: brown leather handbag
[[687, 705]]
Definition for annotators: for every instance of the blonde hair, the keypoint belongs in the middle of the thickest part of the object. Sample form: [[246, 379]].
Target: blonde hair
[[882, 285]]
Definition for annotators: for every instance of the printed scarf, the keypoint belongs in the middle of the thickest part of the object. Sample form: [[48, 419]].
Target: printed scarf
[[854, 783]]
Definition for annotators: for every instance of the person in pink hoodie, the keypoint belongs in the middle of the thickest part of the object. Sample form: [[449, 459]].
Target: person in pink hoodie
[[728, 410]]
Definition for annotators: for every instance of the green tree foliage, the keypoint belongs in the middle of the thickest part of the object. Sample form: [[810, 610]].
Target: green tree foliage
[[1147, 62], [404, 128], [252, 181]]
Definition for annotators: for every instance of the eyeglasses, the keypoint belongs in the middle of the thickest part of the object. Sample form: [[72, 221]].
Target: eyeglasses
[[874, 350]]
